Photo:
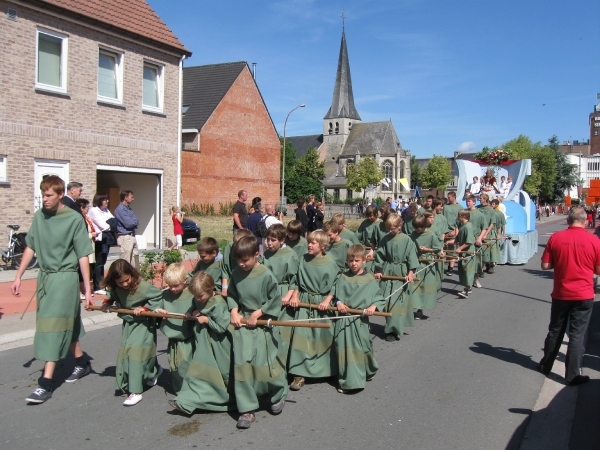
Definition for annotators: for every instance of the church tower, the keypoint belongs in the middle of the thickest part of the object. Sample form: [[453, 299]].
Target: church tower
[[342, 114]]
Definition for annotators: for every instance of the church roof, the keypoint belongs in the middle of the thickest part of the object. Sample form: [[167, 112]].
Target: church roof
[[370, 138], [203, 89], [334, 181], [302, 143], [342, 105]]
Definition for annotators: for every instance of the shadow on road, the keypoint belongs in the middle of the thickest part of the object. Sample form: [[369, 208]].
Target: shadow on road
[[517, 295], [505, 354], [549, 274]]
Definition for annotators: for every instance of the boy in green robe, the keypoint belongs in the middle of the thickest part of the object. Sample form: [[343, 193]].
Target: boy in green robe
[[429, 246], [59, 237], [479, 226], [178, 300], [311, 348], [366, 232], [283, 262], [356, 289], [339, 221], [450, 212], [396, 256], [467, 264], [228, 263], [136, 362], [407, 227], [259, 362], [500, 227], [208, 249], [490, 232], [294, 238], [206, 385], [338, 247]]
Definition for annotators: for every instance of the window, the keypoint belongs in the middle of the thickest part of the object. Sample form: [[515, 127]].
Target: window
[[402, 166], [349, 194], [336, 194], [110, 76], [153, 88], [51, 62], [3, 169], [388, 169], [184, 109], [337, 128]]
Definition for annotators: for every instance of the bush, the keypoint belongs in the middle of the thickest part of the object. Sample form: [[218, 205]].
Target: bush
[[155, 263]]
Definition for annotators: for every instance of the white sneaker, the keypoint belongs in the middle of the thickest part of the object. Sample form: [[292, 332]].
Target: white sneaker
[[100, 292], [133, 399], [154, 379]]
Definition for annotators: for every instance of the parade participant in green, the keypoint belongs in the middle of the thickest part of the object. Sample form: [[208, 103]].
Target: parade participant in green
[[208, 249], [357, 289], [500, 227], [366, 232], [206, 385], [339, 220], [179, 300], [294, 238], [479, 224], [136, 362], [427, 206], [228, 263], [450, 212], [338, 247], [465, 243], [59, 238], [396, 256], [490, 232], [259, 361], [283, 262], [407, 227], [311, 348], [429, 246]]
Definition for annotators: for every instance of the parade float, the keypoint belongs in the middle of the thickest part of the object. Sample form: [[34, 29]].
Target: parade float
[[522, 241]]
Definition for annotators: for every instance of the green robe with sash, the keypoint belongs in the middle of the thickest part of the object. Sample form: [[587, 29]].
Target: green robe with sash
[[367, 236], [500, 223], [451, 214], [396, 256], [468, 266], [424, 292], [339, 253], [214, 269], [228, 263], [206, 384], [349, 235], [136, 362], [353, 344], [478, 224], [440, 228], [59, 239], [258, 354], [407, 226], [311, 348], [180, 347], [300, 246], [490, 216], [284, 265]]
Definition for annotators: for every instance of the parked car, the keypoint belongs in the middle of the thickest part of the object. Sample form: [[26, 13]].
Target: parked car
[[191, 231]]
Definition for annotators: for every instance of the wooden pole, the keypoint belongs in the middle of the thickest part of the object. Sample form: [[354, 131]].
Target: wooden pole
[[350, 310], [391, 277], [455, 251], [274, 323], [424, 260]]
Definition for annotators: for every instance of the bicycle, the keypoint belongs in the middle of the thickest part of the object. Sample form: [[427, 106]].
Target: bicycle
[[16, 247]]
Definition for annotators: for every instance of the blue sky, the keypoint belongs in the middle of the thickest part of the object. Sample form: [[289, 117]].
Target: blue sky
[[449, 74]]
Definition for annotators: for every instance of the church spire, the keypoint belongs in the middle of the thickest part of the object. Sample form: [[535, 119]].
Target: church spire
[[342, 106]]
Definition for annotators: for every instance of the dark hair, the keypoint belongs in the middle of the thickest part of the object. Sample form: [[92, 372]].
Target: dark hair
[[119, 269], [472, 198], [82, 202], [437, 202], [371, 211], [245, 247], [295, 227], [98, 199], [255, 201], [240, 193], [124, 193], [420, 221], [300, 203], [208, 245], [277, 231]]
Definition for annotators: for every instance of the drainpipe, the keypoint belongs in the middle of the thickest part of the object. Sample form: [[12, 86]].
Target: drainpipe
[[179, 125]]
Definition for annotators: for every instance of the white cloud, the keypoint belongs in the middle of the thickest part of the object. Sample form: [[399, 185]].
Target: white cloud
[[467, 147]]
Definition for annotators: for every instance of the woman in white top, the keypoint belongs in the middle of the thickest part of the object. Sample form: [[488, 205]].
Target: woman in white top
[[99, 215]]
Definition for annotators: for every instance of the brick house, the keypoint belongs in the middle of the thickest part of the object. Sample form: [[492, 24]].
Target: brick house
[[91, 92], [229, 141]]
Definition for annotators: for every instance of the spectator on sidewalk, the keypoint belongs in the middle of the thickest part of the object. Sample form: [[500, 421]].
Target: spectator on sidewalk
[[240, 213], [574, 255], [127, 223], [74, 190], [99, 214]]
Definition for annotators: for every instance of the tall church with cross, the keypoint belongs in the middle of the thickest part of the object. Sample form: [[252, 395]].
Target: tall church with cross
[[346, 139]]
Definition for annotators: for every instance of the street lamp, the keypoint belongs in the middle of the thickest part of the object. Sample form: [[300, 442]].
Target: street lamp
[[302, 105]]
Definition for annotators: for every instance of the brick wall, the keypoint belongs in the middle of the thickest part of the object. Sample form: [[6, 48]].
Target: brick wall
[[77, 128], [239, 149]]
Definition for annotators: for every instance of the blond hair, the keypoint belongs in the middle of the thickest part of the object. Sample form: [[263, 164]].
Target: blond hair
[[393, 220], [321, 238], [355, 251], [175, 274], [201, 283]]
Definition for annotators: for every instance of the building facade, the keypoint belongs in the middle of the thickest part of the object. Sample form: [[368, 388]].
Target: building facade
[[91, 92]]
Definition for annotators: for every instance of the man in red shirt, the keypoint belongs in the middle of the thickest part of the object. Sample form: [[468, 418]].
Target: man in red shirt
[[574, 255]]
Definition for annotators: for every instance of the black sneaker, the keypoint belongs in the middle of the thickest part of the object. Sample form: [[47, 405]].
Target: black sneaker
[[579, 379], [463, 294], [449, 273], [392, 337], [79, 372], [481, 275], [420, 316], [40, 395], [490, 269]]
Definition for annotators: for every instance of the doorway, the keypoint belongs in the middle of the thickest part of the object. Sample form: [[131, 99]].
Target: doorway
[[44, 168]]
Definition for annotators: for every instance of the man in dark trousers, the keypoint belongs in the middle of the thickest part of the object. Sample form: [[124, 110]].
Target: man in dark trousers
[[574, 254]]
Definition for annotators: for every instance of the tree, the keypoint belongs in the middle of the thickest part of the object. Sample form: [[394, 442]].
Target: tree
[[415, 172], [365, 173], [305, 177], [566, 173], [437, 174]]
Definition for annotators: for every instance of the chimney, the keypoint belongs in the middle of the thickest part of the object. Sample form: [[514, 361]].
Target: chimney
[[254, 71]]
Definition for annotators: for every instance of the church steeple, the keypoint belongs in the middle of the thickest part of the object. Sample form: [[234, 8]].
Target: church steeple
[[342, 106]]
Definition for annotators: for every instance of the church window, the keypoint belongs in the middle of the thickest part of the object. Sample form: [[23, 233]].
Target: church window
[[402, 165], [337, 128], [388, 169], [349, 125], [336, 194]]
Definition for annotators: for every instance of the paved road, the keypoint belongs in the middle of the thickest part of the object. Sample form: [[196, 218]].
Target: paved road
[[464, 379]]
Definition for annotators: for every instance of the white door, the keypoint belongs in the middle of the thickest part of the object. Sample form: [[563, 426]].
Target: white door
[[43, 168]]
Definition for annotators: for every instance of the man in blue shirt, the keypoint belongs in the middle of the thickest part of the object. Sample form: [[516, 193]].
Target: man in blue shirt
[[127, 222]]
